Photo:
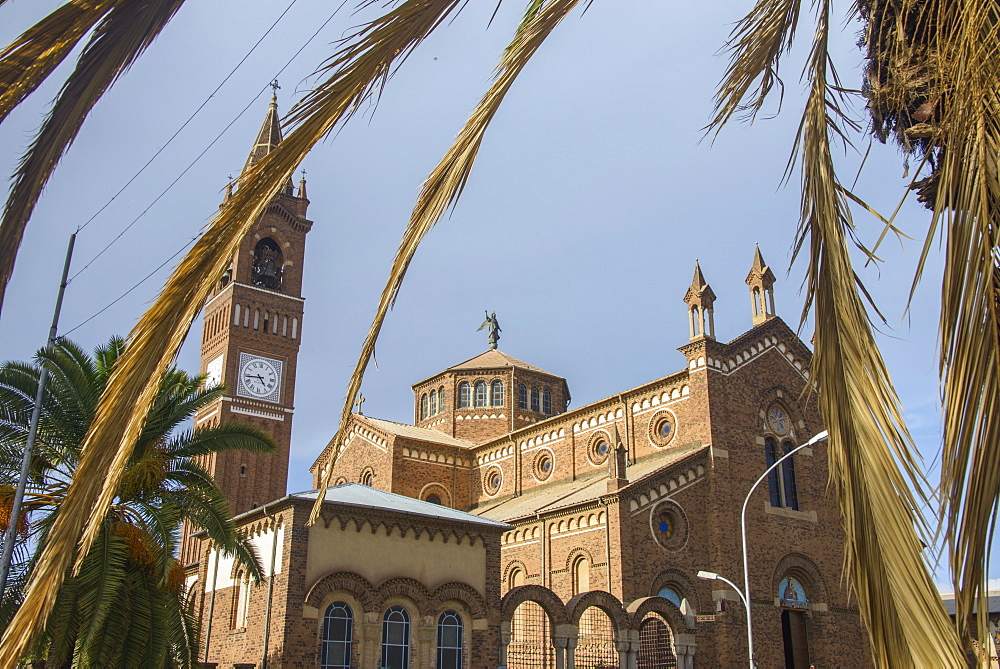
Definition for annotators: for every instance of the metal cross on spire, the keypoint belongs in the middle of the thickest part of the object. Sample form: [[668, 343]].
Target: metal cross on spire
[[274, 87]]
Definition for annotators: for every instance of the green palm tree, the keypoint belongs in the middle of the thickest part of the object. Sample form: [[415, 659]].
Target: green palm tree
[[126, 606]]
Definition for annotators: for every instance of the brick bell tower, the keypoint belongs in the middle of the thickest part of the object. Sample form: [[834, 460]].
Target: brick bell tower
[[250, 342]]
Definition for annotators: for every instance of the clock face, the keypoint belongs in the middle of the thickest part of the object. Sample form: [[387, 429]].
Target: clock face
[[777, 420], [213, 373], [260, 378]]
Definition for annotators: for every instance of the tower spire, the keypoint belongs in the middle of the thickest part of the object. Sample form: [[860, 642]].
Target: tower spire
[[700, 298], [269, 137], [761, 283]]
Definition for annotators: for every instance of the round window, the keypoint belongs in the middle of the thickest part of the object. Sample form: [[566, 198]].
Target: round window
[[662, 427], [669, 525], [492, 480], [600, 447], [777, 420], [544, 464]]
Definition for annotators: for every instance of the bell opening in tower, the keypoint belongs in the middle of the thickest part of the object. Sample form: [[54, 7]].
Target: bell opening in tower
[[268, 264]]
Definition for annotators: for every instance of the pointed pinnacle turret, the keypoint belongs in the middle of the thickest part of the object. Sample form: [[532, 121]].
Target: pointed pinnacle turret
[[699, 291], [700, 297], [761, 283], [269, 136]]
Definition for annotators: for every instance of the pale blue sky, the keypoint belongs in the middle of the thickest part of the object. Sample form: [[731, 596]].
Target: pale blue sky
[[593, 194]]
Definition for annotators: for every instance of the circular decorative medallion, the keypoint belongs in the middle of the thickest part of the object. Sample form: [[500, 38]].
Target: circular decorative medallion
[[662, 427], [544, 464], [777, 420], [600, 447], [492, 480], [669, 525]]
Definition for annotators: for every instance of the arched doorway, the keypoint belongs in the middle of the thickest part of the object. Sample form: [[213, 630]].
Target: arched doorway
[[530, 639], [794, 632], [595, 648], [656, 643]]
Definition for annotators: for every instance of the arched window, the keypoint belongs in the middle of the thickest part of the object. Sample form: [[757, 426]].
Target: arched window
[[268, 264], [424, 406], [284, 326], [441, 405], [496, 394], [464, 395], [246, 316], [480, 393], [236, 315], [241, 600], [534, 399], [781, 479], [396, 639], [516, 578], [338, 629], [449, 641], [295, 328], [546, 401], [522, 396], [434, 403], [267, 321], [367, 477], [433, 498], [671, 595], [581, 575]]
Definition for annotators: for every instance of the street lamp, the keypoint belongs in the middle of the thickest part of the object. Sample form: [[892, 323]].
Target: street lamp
[[745, 594]]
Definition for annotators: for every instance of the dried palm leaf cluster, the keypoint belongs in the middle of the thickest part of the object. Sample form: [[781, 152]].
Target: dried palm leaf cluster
[[932, 83]]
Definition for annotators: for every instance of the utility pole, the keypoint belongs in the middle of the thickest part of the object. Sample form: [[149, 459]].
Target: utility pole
[[15, 511]]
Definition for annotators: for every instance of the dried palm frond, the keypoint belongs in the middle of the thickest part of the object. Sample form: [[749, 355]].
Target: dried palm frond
[[967, 209], [366, 59], [906, 621], [441, 190], [124, 32], [26, 62]]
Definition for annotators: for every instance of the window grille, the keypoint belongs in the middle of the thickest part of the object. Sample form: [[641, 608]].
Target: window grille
[[424, 406], [534, 399], [530, 639], [449, 645], [546, 402], [338, 624], [496, 396], [481, 393], [522, 396], [655, 644], [396, 639], [596, 646], [464, 395]]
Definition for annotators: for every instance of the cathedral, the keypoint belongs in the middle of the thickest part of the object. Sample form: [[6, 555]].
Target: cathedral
[[502, 529]]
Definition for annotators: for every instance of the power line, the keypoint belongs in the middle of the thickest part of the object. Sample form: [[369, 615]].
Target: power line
[[210, 145], [185, 124], [164, 192]]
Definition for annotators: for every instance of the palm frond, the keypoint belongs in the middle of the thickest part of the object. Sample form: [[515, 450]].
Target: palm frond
[[367, 58], [26, 62], [441, 190], [968, 209], [902, 610], [126, 28], [757, 44]]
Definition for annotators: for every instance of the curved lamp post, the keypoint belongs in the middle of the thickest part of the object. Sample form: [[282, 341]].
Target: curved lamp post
[[745, 594]]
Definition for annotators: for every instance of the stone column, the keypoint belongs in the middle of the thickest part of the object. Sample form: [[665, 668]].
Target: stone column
[[504, 642], [371, 630], [684, 647], [560, 642], [424, 652]]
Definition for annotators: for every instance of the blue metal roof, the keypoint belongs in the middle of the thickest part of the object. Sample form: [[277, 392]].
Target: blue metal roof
[[355, 494]]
